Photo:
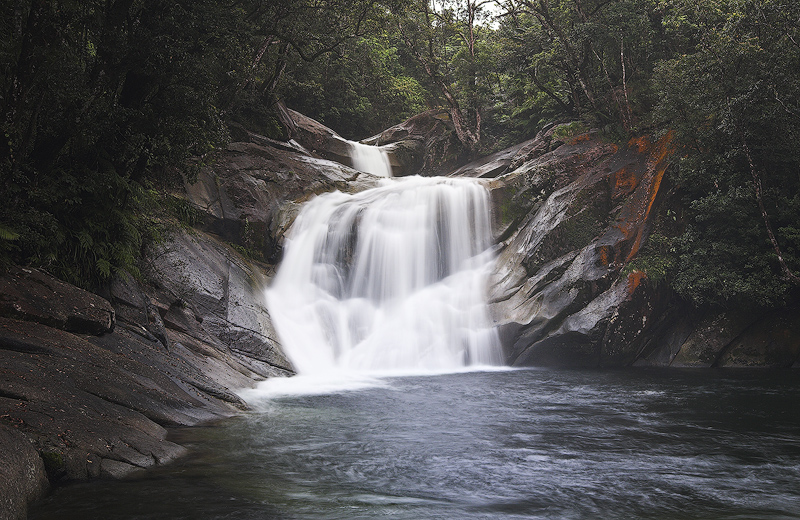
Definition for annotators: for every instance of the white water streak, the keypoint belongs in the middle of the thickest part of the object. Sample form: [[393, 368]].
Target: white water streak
[[389, 279], [370, 159]]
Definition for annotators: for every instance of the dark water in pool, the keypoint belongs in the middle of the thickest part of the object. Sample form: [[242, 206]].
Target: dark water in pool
[[516, 444]]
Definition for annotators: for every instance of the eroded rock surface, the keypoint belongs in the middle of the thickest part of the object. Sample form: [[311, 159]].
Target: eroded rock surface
[[29, 294], [77, 405], [425, 144], [570, 219], [571, 215], [243, 195]]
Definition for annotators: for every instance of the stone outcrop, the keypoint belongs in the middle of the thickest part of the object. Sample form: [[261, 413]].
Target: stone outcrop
[[244, 195], [425, 144], [572, 212], [317, 138], [31, 295], [571, 215], [82, 403]]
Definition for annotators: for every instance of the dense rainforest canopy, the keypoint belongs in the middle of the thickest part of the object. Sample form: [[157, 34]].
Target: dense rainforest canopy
[[105, 102]]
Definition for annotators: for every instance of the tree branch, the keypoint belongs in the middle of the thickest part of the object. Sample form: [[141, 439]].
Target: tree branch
[[759, 197]]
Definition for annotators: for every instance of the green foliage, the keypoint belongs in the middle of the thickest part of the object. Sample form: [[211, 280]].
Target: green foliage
[[657, 259], [570, 130], [732, 95], [358, 91], [187, 214]]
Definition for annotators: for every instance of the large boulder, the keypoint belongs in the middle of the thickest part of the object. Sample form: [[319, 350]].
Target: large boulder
[[425, 144], [320, 140], [571, 214], [242, 195], [211, 298]]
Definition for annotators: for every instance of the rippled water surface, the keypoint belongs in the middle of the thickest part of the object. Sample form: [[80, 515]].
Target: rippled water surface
[[513, 444]]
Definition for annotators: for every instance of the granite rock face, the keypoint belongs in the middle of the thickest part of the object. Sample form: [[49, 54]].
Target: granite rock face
[[425, 144], [244, 194], [77, 405], [89, 382], [571, 216], [31, 295]]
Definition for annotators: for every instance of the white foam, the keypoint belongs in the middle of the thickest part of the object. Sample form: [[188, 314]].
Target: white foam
[[370, 159], [390, 281]]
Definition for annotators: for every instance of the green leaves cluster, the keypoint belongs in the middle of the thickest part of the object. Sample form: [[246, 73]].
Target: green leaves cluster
[[359, 89], [733, 100]]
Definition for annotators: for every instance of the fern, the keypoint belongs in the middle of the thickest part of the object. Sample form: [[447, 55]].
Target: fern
[[8, 234]]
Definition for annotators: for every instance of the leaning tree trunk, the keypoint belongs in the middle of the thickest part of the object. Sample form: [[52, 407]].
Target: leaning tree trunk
[[760, 198]]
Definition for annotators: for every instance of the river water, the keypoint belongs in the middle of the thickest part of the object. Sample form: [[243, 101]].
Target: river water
[[393, 279], [556, 444]]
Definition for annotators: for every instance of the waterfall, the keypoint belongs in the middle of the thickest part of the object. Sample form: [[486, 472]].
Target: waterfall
[[389, 279], [370, 159]]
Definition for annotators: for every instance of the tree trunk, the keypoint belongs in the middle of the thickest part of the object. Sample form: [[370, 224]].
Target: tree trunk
[[759, 197]]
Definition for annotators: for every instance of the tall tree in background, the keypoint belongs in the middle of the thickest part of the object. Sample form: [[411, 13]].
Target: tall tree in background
[[733, 102], [591, 57], [446, 38]]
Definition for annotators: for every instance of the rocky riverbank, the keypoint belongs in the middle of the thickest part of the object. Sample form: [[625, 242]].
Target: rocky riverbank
[[89, 382]]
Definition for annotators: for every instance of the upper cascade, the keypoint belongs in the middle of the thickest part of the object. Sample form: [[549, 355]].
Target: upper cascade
[[389, 279], [370, 159]]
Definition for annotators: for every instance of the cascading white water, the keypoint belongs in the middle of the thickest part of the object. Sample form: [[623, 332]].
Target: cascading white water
[[389, 279], [370, 159]]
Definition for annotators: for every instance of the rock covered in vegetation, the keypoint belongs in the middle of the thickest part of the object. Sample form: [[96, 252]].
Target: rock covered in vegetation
[[572, 213]]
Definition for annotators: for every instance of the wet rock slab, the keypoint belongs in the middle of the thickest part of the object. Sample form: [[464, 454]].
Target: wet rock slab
[[30, 294]]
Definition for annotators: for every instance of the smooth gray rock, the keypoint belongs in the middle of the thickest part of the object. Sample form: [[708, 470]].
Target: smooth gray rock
[[567, 226], [22, 476], [223, 300]]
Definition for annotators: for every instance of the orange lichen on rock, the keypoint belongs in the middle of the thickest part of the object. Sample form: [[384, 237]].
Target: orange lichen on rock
[[605, 255], [657, 166], [635, 279], [642, 144], [623, 182], [580, 138]]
